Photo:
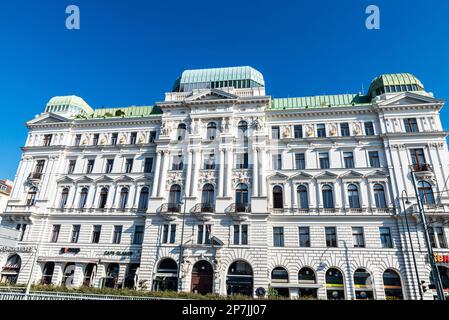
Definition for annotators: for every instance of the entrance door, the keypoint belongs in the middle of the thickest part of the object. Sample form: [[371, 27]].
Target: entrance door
[[202, 277]]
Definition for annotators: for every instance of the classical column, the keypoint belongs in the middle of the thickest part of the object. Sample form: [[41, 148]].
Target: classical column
[[263, 164], [255, 189], [229, 171], [165, 161], [221, 176], [196, 171], [189, 173], [157, 172]]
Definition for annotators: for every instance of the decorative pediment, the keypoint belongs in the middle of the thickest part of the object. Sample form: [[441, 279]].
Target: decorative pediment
[[409, 98], [277, 177], [143, 178], [104, 179], [65, 180], [327, 176], [124, 178], [47, 118], [352, 175], [302, 176], [377, 174], [84, 179], [210, 94]]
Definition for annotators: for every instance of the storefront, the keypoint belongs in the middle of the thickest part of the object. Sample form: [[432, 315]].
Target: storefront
[[308, 287], [363, 285], [335, 287], [10, 271], [166, 277], [279, 281], [240, 279], [392, 285]]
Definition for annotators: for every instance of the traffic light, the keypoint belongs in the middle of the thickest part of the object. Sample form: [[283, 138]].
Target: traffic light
[[424, 286]]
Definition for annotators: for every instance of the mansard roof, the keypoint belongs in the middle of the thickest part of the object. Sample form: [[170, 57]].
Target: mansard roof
[[339, 100]]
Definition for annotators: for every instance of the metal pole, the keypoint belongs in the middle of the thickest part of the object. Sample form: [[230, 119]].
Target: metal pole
[[181, 246], [28, 289], [411, 245], [435, 272]]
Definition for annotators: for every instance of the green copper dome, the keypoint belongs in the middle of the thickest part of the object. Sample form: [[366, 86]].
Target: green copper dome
[[237, 77], [397, 82]]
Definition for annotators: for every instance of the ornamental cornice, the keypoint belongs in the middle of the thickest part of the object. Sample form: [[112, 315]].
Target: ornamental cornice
[[207, 176], [241, 176]]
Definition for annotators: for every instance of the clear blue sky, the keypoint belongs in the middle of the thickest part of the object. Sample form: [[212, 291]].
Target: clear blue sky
[[130, 52]]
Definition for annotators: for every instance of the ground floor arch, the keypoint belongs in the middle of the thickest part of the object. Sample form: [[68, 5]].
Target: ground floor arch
[[202, 277], [166, 277], [10, 271], [239, 280]]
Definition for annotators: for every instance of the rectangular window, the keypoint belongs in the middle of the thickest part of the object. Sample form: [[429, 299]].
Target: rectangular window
[[96, 139], [275, 133], [173, 233], [439, 231], [321, 130], [385, 237], [77, 140], [133, 138], [304, 237], [242, 160], [277, 162], [344, 128], [348, 159], [278, 236], [117, 236], [204, 234], [209, 162], [297, 131], [369, 128], [152, 136], [138, 235], [324, 160], [72, 164], [374, 160], [114, 138], [411, 125], [148, 166], [177, 163], [358, 237], [418, 158], [129, 165], [90, 166], [331, 237], [109, 165], [75, 233], [165, 232], [96, 233], [55, 233], [47, 140], [241, 234], [300, 161]]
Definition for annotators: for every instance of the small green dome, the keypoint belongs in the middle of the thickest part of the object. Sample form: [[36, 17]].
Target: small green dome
[[396, 82]]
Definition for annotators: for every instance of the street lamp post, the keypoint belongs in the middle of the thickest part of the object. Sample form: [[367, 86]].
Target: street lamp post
[[411, 243], [435, 272], [181, 246]]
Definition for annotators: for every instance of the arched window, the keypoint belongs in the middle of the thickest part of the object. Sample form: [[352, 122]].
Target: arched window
[[143, 199], [279, 275], [363, 284], [31, 196], [241, 198], [124, 194], [89, 274], [306, 275], [166, 278], [392, 285], [426, 193], [240, 279], [379, 196], [208, 198], [278, 198], [211, 130], [10, 272], [335, 285], [103, 198], [303, 199], [353, 196], [64, 198], [67, 277], [181, 132], [47, 273], [83, 197], [328, 197], [175, 198], [111, 280]]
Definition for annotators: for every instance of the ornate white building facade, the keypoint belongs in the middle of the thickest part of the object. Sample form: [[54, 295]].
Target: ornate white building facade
[[304, 195]]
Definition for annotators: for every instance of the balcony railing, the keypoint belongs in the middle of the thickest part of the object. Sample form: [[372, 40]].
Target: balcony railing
[[240, 208], [35, 176], [422, 167], [203, 208], [171, 207]]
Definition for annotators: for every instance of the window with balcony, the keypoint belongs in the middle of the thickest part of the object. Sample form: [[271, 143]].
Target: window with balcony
[[374, 160], [174, 198], [71, 168], [204, 233], [300, 161], [241, 234], [148, 165], [303, 199], [385, 237], [324, 160], [348, 158], [275, 133], [38, 170], [47, 140], [321, 130], [331, 237], [418, 159], [109, 165], [353, 197], [328, 197], [117, 235], [278, 198], [208, 198], [304, 237], [278, 236], [344, 129], [358, 237], [297, 131], [379, 196], [129, 165], [96, 233], [241, 198], [211, 131], [411, 125], [369, 128], [83, 198]]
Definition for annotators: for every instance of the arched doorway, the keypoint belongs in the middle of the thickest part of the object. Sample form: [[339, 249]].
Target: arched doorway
[[10, 272], [335, 285], [202, 277], [166, 278], [392, 285], [240, 279], [363, 284], [47, 273], [68, 275], [89, 274], [111, 279]]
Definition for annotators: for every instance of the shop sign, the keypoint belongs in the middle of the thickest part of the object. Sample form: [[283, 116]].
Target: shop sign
[[16, 250], [441, 258], [118, 253], [69, 250]]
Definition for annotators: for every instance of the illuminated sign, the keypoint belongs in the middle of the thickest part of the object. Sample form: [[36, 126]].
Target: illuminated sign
[[69, 250], [440, 258]]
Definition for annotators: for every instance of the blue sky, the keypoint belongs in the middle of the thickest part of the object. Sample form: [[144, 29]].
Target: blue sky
[[130, 52]]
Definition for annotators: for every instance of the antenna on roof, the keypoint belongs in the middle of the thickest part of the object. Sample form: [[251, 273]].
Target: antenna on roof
[[363, 89]]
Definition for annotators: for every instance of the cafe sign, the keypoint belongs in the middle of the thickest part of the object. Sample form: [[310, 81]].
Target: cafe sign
[[118, 253], [69, 250], [16, 250], [441, 258]]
